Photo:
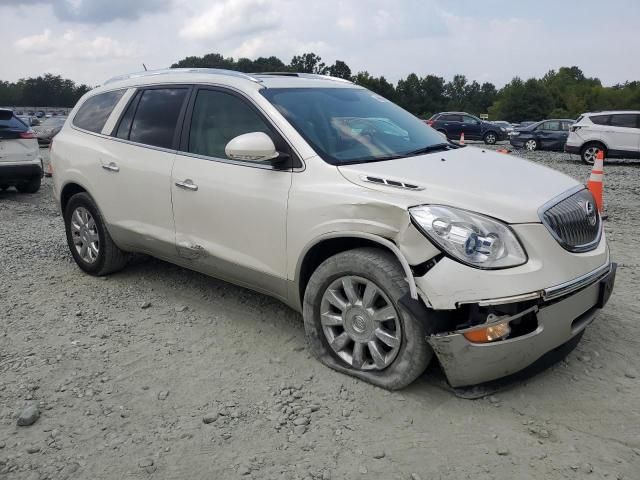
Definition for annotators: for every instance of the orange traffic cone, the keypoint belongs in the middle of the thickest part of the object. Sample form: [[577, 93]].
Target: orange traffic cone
[[595, 180], [49, 171], [461, 138]]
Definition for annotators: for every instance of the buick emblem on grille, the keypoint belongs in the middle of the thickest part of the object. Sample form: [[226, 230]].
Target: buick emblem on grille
[[590, 210]]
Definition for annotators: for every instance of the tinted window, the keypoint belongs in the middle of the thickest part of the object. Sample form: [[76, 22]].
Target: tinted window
[[157, 116], [554, 126], [565, 126], [95, 111], [324, 117], [468, 119], [600, 119], [9, 121], [450, 118], [628, 120], [125, 122], [217, 118]]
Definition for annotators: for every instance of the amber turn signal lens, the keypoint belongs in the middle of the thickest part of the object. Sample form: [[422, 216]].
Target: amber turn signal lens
[[488, 334]]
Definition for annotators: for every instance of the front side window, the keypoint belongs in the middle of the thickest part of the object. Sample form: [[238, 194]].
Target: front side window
[[155, 119], [218, 118], [95, 111], [627, 120], [352, 125]]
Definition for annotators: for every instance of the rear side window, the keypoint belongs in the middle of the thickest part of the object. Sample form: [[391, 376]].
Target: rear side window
[[219, 117], [628, 120], [155, 119], [9, 121], [95, 111], [450, 118], [554, 125], [565, 126], [600, 119]]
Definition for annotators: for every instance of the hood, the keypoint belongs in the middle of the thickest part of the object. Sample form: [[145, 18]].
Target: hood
[[496, 184]]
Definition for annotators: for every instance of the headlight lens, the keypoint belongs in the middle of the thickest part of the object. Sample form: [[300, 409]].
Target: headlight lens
[[469, 237]]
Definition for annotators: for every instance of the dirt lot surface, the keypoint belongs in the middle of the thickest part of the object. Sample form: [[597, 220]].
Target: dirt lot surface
[[158, 372]]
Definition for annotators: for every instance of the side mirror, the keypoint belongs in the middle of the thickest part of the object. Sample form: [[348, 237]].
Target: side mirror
[[252, 147]]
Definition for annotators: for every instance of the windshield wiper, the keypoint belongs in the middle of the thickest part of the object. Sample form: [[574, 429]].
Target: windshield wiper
[[438, 147]]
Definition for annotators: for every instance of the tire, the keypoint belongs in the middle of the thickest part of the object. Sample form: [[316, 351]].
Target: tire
[[490, 138], [108, 257], [411, 354], [588, 152], [531, 145], [32, 186]]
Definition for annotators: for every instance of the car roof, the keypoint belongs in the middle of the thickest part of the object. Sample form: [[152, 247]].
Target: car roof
[[611, 112], [224, 77]]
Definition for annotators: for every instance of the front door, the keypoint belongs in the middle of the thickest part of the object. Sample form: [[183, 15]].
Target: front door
[[230, 216]]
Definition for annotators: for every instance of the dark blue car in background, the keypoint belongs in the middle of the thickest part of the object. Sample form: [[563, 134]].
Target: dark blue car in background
[[544, 135], [452, 124]]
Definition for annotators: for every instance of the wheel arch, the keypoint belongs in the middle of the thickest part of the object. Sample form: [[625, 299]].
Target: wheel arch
[[331, 244], [68, 191]]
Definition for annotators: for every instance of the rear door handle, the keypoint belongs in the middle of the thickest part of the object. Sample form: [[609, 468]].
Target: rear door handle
[[112, 167], [187, 185]]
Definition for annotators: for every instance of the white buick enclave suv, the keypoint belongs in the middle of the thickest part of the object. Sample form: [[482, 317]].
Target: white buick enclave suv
[[396, 245]]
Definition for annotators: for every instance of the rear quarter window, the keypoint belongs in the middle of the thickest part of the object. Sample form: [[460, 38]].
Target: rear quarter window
[[627, 120], [600, 119], [95, 111]]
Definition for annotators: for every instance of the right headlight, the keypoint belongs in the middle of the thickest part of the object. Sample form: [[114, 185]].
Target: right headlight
[[471, 238]]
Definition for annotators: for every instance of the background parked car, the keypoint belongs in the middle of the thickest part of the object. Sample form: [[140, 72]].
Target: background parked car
[[615, 132], [524, 124], [48, 129], [545, 135], [452, 124], [20, 163]]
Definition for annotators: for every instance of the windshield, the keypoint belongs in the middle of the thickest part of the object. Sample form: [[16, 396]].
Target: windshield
[[352, 125]]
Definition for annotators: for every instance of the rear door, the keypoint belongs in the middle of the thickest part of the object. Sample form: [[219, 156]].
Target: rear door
[[17, 144], [472, 127], [134, 170], [451, 123], [623, 132], [549, 134]]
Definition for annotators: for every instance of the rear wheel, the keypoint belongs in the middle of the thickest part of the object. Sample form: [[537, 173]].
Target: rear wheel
[[355, 323], [590, 151], [89, 241], [490, 138], [31, 186]]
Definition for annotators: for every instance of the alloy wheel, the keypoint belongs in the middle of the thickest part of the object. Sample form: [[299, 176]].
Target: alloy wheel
[[531, 145], [491, 138], [85, 235], [360, 323], [590, 154]]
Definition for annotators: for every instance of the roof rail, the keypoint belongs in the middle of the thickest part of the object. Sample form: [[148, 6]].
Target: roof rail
[[315, 76], [166, 71]]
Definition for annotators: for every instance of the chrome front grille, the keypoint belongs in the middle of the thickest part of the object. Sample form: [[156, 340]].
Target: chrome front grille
[[573, 221]]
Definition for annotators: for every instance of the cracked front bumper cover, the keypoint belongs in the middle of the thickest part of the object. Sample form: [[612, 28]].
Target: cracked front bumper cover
[[466, 363]]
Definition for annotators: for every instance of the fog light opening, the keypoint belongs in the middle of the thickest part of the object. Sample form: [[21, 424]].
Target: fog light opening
[[498, 331]]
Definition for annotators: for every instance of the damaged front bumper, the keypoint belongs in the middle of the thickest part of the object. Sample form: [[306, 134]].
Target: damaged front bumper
[[555, 315]]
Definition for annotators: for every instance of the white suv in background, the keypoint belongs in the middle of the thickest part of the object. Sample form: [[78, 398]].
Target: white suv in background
[[617, 133], [396, 245], [20, 161]]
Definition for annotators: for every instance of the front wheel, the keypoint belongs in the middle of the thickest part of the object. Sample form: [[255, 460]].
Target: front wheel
[[490, 138], [355, 323], [531, 145]]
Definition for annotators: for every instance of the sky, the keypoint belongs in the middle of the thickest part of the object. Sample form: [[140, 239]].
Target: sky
[[90, 41]]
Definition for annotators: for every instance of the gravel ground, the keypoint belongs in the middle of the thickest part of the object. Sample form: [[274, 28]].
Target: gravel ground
[[159, 372]]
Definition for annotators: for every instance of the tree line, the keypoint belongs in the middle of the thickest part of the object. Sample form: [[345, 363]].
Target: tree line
[[565, 93], [44, 91]]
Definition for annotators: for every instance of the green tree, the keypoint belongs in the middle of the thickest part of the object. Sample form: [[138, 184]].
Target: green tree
[[340, 69], [308, 63]]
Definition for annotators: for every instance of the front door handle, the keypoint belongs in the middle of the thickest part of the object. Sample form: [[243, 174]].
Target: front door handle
[[112, 167], [187, 185]]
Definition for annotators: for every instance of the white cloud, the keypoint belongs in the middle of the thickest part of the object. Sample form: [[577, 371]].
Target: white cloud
[[231, 18], [72, 45]]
